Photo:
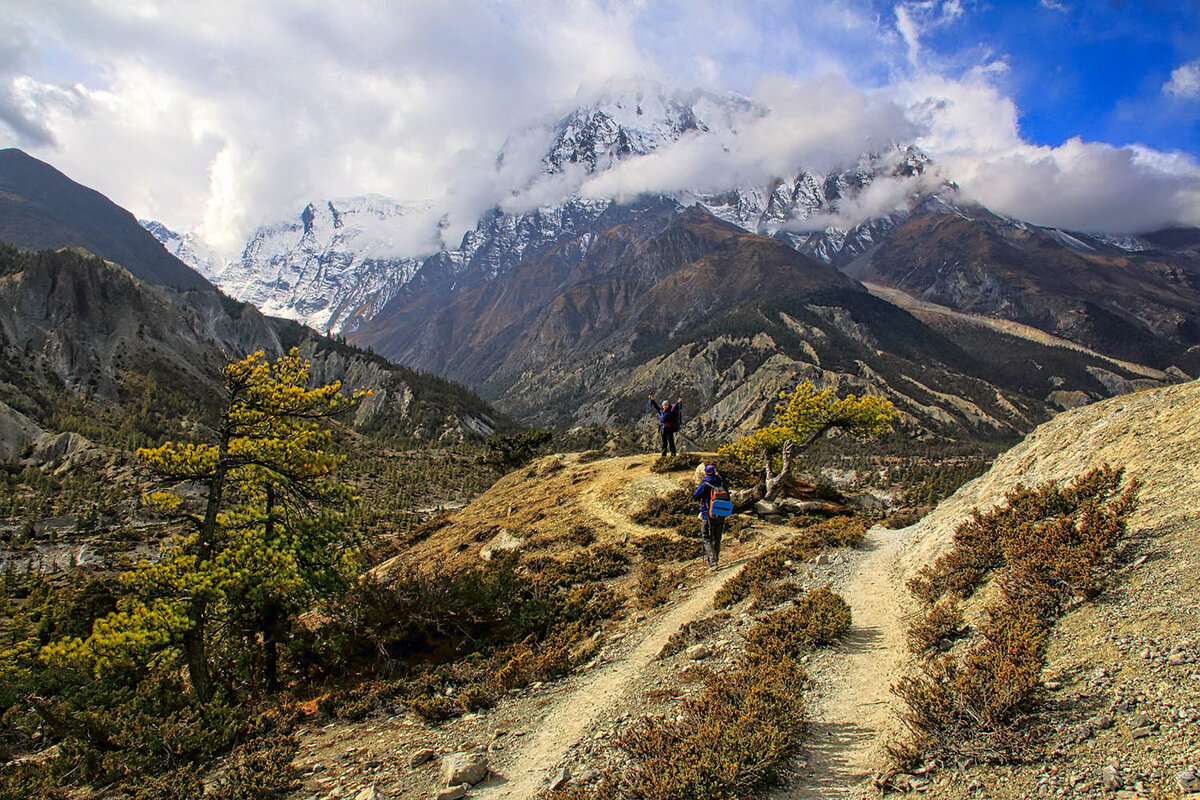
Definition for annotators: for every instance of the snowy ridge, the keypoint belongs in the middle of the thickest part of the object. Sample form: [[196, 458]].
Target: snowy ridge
[[341, 261]]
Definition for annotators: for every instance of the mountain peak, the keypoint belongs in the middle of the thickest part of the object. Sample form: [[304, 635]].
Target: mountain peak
[[41, 208]]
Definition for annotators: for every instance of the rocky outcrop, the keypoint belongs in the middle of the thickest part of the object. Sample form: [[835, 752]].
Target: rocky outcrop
[[72, 322], [17, 433]]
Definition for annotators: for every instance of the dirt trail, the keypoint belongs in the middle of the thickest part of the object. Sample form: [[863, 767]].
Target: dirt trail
[[574, 713], [852, 709]]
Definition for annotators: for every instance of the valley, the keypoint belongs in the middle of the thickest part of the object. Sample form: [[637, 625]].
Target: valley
[[345, 517]]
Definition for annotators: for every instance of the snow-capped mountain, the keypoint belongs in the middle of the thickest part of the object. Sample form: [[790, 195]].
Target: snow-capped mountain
[[338, 258], [639, 123], [341, 261]]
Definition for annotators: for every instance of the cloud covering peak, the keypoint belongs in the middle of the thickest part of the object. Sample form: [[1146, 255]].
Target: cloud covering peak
[[222, 116]]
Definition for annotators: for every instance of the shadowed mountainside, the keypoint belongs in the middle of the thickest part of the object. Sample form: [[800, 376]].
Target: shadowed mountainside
[[40, 208], [662, 302]]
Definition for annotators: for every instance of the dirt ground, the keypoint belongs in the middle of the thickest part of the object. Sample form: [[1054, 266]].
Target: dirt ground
[[531, 736], [1123, 671]]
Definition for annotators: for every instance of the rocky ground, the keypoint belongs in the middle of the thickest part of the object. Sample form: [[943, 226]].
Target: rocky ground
[[562, 730], [1122, 682]]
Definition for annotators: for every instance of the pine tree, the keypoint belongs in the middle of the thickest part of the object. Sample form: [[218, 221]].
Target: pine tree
[[803, 417], [264, 542]]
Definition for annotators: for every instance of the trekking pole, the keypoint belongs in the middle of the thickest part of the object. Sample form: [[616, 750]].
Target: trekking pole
[[649, 417]]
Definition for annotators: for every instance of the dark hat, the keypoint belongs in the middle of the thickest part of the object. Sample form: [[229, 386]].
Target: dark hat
[[710, 470]]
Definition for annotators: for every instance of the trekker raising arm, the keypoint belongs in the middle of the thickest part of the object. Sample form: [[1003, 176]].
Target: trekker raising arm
[[668, 423]]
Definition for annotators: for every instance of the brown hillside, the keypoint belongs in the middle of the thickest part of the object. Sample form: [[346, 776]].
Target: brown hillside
[[1123, 671], [554, 506]]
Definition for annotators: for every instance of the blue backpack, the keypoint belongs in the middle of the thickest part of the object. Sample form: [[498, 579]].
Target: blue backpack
[[719, 504]]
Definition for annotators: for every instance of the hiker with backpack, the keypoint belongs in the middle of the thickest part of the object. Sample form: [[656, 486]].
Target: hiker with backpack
[[715, 506], [668, 422]]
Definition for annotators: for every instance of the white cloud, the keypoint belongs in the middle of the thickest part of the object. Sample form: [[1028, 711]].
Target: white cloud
[[972, 130], [819, 125], [222, 115], [1185, 81]]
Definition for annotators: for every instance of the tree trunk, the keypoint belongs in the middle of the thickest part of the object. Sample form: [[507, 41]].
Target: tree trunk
[[197, 657], [270, 633], [775, 484], [193, 638]]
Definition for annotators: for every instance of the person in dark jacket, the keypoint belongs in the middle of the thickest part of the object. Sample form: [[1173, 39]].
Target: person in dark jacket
[[710, 527], [668, 423]]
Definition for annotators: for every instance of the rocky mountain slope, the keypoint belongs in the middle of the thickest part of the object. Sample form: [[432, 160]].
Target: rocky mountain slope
[[682, 302], [1142, 305], [1121, 703], [1123, 670], [42, 208], [73, 325]]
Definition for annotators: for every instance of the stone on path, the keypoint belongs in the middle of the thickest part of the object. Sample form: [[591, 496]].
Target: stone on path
[[461, 768], [560, 780]]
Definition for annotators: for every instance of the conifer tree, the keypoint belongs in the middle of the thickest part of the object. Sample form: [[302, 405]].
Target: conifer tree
[[263, 542], [803, 417]]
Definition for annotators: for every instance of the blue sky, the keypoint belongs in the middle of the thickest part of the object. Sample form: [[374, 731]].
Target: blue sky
[[215, 117], [1091, 69]]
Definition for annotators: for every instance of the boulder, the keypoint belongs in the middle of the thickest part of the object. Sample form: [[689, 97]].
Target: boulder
[[461, 768], [1111, 778], [766, 508], [698, 652], [1188, 780], [502, 542], [560, 780]]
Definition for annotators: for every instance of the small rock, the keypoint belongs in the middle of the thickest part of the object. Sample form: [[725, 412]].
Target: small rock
[[1188, 780], [454, 792], [1111, 778], [698, 652], [1101, 722], [765, 507], [821, 560], [1052, 686], [461, 768], [421, 756], [560, 780], [370, 793]]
